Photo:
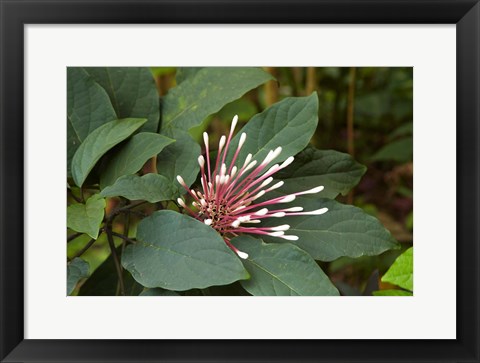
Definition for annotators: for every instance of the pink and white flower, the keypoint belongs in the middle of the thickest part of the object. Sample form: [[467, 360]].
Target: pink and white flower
[[227, 199]]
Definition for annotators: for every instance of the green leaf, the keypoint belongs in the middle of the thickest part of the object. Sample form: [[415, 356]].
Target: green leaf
[[132, 91], [98, 143], [289, 123], [86, 218], [104, 280], [177, 252], [179, 158], [401, 271], [406, 129], [392, 293], [205, 92], [88, 107], [158, 292], [150, 187], [186, 72], [281, 269], [133, 155], [400, 150], [336, 171], [77, 269], [342, 231]]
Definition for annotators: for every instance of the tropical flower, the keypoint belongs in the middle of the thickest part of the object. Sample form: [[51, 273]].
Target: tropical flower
[[227, 201]]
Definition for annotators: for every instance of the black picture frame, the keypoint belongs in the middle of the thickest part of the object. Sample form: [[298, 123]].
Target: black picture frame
[[16, 13]]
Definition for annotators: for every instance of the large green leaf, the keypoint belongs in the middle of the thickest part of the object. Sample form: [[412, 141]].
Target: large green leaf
[[281, 269], [344, 230], [86, 218], [98, 143], [88, 107], [185, 72], [336, 171], [104, 280], [150, 187], [132, 91], [392, 293], [179, 158], [132, 156], [205, 92], [401, 271], [399, 150], [77, 269], [177, 252], [289, 123]]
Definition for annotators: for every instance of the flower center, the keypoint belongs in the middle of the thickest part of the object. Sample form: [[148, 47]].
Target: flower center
[[217, 213]]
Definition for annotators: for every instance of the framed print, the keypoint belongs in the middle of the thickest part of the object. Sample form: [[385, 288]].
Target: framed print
[[268, 181]]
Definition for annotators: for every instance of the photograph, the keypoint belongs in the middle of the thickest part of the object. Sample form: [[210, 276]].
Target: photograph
[[239, 181]]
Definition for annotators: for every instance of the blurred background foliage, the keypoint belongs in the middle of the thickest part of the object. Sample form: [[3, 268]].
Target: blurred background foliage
[[365, 111]]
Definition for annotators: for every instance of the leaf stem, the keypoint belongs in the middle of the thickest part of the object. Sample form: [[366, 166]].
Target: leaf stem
[[118, 267], [73, 236], [84, 249], [123, 209], [72, 194], [125, 238], [350, 117]]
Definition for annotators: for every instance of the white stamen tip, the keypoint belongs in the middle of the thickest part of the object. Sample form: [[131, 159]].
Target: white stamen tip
[[314, 190], [223, 169], [243, 219], [276, 186], [266, 182], [278, 214], [273, 169], [318, 211], [283, 227], [247, 159], [242, 255], [181, 202], [287, 162], [221, 144], [180, 180], [251, 165], [290, 238], [205, 139], [243, 137], [254, 221], [277, 234], [294, 209], [234, 123], [201, 161], [287, 199], [234, 171], [261, 212], [236, 223], [276, 152], [208, 222], [260, 194]]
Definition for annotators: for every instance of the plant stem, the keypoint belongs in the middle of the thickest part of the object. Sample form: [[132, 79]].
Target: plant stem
[[118, 267], [311, 84], [77, 199], [271, 88], [125, 238], [122, 210], [87, 246], [73, 236], [350, 114]]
